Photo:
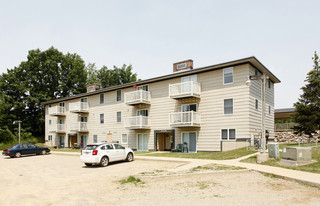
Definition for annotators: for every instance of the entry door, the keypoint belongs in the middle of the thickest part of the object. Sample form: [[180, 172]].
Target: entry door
[[109, 137], [186, 117], [191, 139], [84, 140], [143, 142], [61, 141]]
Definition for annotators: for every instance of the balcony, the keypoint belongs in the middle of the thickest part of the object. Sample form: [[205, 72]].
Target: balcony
[[58, 128], [137, 97], [79, 127], [137, 122], [79, 107], [57, 110], [185, 119], [184, 90]]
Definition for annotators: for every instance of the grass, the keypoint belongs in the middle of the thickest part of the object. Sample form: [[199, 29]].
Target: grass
[[314, 168], [216, 167], [233, 154], [131, 179]]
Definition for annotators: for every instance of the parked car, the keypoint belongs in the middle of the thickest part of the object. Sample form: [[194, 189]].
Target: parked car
[[103, 153], [25, 149]]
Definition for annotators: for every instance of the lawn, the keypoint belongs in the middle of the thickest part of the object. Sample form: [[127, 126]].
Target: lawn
[[233, 154], [315, 167]]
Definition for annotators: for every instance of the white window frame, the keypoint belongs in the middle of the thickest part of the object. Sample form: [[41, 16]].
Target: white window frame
[[142, 110], [93, 138], [228, 134], [101, 115], [101, 95], [190, 104], [223, 75], [124, 142], [119, 100], [84, 99], [137, 142], [141, 87], [189, 78], [196, 139], [50, 138], [232, 107], [120, 117], [269, 109], [256, 104]]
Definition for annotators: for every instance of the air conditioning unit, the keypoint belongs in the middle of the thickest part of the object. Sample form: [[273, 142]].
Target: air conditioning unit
[[297, 153], [273, 149]]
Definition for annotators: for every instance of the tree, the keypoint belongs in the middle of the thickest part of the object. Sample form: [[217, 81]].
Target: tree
[[308, 106], [92, 74], [46, 75], [117, 76]]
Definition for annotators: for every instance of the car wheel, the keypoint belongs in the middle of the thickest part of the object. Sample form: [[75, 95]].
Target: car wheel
[[88, 164], [129, 157], [104, 161], [43, 152], [17, 155]]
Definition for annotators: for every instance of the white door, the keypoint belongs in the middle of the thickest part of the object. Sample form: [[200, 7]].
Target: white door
[[186, 87], [191, 139], [143, 142]]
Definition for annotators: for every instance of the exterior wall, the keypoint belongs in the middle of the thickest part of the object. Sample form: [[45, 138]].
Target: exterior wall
[[256, 114], [245, 120]]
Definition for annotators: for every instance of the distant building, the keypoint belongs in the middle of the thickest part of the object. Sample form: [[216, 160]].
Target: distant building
[[283, 119]]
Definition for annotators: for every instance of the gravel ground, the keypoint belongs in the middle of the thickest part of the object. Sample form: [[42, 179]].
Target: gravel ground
[[64, 180]]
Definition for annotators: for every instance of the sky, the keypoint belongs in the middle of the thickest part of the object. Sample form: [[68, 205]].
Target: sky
[[151, 35]]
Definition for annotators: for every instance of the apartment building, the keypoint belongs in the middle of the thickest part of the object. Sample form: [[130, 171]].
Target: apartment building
[[212, 108]]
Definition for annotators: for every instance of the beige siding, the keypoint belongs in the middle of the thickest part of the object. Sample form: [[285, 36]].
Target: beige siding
[[245, 119]]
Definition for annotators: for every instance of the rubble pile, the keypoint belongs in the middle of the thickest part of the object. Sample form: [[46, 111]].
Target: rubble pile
[[289, 137]]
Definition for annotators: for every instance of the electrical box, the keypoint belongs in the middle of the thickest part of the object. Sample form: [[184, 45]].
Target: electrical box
[[273, 149], [297, 153]]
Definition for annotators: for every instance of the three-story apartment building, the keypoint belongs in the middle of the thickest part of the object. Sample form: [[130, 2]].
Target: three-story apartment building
[[209, 108]]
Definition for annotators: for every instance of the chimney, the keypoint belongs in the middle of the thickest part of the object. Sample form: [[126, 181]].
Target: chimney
[[93, 87], [183, 65]]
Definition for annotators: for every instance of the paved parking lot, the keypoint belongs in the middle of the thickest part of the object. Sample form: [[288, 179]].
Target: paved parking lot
[[64, 180]]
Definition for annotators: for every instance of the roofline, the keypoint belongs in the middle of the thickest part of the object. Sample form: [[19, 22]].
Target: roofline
[[253, 61]]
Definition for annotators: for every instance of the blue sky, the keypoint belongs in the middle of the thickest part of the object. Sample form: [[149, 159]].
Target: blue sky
[[151, 35]]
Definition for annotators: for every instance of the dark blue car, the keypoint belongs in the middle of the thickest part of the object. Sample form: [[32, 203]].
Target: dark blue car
[[25, 149]]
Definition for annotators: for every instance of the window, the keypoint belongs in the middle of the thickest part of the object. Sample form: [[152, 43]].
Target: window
[[269, 84], [118, 95], [83, 119], [85, 99], [228, 106], [256, 72], [124, 139], [50, 138], [101, 118], [189, 79], [144, 87], [61, 104], [117, 146], [118, 116], [257, 104], [103, 147], [269, 109], [95, 138], [228, 76], [109, 146], [228, 134], [101, 98], [49, 121], [189, 107], [142, 112]]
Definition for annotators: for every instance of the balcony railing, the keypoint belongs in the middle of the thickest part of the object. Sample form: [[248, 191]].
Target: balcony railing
[[185, 119], [58, 128], [57, 110], [184, 89], [137, 97], [79, 126], [137, 122], [79, 107]]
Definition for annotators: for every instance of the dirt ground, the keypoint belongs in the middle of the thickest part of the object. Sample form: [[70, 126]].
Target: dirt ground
[[64, 180]]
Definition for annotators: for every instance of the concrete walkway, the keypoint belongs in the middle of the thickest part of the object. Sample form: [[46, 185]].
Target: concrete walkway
[[187, 164]]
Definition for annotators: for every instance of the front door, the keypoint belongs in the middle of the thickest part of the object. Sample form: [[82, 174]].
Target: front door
[[84, 141], [61, 141], [143, 142], [109, 137], [73, 140], [191, 139]]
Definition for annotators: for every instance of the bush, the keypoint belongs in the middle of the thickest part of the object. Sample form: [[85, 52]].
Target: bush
[[6, 136]]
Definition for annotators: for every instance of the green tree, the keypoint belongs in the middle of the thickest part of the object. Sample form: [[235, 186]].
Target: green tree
[[117, 76], [308, 106], [46, 75], [92, 74]]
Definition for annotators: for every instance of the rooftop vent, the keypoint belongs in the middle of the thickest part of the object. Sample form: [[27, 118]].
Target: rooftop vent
[[93, 87], [183, 65]]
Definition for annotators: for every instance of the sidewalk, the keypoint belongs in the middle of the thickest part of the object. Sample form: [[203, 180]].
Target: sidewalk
[[187, 164]]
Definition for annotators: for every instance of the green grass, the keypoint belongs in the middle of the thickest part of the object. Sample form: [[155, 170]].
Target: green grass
[[314, 168], [216, 167], [131, 179], [233, 154]]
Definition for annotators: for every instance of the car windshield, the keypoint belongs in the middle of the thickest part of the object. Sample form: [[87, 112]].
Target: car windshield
[[91, 147]]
